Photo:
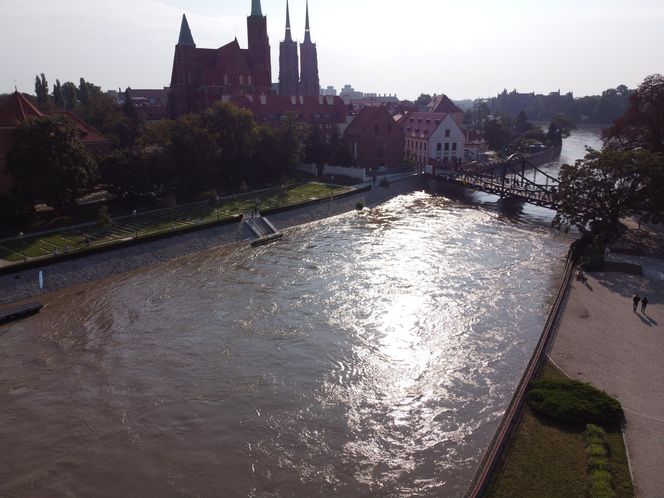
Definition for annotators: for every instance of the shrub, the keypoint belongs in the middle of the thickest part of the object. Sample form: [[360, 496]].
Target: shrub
[[359, 205], [384, 182], [573, 401], [103, 218], [599, 485]]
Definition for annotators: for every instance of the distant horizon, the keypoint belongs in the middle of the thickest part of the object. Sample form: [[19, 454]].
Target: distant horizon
[[464, 51]]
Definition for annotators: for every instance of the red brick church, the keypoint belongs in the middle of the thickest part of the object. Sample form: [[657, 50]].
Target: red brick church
[[202, 76]]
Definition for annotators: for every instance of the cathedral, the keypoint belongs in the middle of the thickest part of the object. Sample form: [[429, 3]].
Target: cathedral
[[202, 76]]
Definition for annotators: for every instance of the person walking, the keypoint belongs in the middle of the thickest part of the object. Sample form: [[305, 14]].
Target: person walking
[[636, 301], [644, 303]]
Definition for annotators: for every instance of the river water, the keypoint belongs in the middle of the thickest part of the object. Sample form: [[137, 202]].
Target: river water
[[371, 354]]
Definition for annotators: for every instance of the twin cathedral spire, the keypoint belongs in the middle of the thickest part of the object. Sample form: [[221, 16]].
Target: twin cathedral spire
[[291, 81]]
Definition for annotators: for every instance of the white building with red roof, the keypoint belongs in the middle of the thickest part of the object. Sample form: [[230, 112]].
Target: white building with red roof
[[433, 138]]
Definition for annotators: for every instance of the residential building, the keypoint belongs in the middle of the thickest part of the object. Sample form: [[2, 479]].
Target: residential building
[[433, 138], [328, 114], [374, 139]]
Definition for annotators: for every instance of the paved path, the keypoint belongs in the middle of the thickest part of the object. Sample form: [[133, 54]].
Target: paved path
[[602, 341]]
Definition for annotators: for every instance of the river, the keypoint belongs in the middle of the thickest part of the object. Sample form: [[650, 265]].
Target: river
[[368, 354]]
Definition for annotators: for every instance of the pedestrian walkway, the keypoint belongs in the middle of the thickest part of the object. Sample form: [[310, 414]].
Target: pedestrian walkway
[[601, 340]]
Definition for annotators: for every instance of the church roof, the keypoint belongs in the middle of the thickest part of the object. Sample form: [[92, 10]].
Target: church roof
[[185, 33], [443, 104], [17, 108], [307, 32]]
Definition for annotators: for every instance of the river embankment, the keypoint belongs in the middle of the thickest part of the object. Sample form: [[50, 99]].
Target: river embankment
[[87, 268]]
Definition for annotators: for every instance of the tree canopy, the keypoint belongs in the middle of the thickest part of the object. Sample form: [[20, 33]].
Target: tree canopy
[[643, 124], [608, 185], [48, 163]]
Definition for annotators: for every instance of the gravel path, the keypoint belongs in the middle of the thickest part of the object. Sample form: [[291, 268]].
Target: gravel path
[[602, 341], [23, 285]]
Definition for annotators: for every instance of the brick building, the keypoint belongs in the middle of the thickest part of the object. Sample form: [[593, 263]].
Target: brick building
[[201, 76], [374, 139]]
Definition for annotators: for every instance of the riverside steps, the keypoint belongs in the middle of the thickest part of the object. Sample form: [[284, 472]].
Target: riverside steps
[[262, 228]]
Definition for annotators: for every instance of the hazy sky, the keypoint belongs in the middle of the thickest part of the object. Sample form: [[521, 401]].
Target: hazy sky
[[465, 48]]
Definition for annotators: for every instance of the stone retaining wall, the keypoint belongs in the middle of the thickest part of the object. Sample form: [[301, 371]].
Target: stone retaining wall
[[24, 284]]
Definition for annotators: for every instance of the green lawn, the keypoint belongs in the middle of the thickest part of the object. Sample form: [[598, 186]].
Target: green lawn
[[547, 459], [149, 223]]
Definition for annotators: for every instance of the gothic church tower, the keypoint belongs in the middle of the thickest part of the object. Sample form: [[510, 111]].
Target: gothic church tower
[[259, 48], [309, 83], [289, 78]]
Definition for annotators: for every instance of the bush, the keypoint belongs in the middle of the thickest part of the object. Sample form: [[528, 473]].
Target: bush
[[599, 485], [359, 205], [384, 182], [574, 402], [103, 218]]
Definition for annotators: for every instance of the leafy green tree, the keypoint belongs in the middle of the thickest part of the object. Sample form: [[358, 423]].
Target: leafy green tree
[[521, 125], [497, 135], [136, 171], [423, 100], [606, 186], [643, 123], [69, 95], [234, 132], [41, 89], [48, 163], [58, 97], [195, 154], [83, 92]]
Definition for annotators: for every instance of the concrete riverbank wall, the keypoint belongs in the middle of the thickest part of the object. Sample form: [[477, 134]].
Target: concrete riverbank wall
[[25, 284]]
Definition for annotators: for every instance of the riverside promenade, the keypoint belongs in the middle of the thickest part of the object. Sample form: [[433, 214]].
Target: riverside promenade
[[601, 340], [87, 268]]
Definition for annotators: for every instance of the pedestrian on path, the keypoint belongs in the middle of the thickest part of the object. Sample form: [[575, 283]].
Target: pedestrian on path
[[644, 303], [636, 300]]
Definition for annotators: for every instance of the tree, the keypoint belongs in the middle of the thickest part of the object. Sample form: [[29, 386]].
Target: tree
[[48, 163], [522, 125], [83, 92], [604, 187], [497, 135], [423, 100], [41, 89], [234, 132], [58, 97], [643, 123], [195, 154], [69, 94], [564, 124]]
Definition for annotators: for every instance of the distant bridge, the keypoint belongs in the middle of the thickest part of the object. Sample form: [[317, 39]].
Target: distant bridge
[[515, 178]]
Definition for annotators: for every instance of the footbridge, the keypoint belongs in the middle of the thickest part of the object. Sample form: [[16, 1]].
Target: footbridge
[[515, 178]]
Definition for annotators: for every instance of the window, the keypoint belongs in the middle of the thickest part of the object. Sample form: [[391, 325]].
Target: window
[[381, 152], [439, 147], [447, 132], [447, 147], [454, 146]]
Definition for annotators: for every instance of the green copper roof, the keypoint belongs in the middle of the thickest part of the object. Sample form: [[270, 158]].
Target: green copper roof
[[185, 33], [256, 8]]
